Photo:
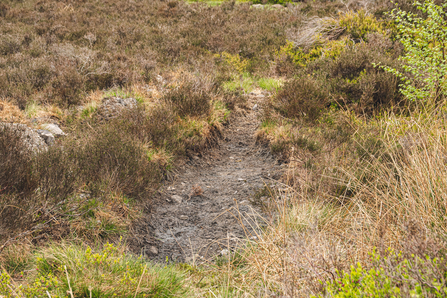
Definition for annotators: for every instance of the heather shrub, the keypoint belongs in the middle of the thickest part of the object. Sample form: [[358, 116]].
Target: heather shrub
[[68, 86], [55, 55], [114, 159], [154, 126], [350, 80], [304, 96], [9, 44], [16, 170], [107, 160], [57, 173], [189, 100], [18, 180]]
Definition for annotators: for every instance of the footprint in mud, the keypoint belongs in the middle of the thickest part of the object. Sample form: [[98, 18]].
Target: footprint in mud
[[207, 210]]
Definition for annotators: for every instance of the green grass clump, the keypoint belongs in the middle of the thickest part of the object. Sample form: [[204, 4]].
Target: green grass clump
[[248, 83], [121, 93], [89, 110], [270, 84], [75, 270], [243, 82]]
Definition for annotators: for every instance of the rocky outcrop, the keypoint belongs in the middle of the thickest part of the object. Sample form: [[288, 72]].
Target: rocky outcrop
[[30, 138], [47, 136], [111, 107], [35, 140]]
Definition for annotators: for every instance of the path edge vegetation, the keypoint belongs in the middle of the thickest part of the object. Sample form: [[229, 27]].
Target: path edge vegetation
[[365, 217]]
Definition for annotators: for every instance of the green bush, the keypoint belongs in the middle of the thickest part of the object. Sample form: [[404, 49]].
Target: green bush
[[392, 275], [425, 43]]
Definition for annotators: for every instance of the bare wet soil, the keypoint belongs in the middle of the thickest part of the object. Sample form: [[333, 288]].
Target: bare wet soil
[[207, 209]]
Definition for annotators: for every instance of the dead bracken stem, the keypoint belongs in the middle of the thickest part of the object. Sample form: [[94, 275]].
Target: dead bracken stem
[[139, 282], [68, 280]]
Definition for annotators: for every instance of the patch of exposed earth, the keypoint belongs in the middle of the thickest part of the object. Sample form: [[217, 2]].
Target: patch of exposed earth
[[207, 208]]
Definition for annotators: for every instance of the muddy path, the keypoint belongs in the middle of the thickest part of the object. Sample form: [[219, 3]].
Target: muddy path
[[207, 209]]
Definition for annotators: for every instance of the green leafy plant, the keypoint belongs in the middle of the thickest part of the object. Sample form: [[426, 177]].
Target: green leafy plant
[[391, 275], [425, 43]]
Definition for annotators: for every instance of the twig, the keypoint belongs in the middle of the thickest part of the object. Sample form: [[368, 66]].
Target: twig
[[15, 238], [139, 282], [177, 242], [68, 280]]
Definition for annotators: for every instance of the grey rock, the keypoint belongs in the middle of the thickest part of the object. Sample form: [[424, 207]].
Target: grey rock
[[54, 129], [112, 107], [153, 250], [257, 5], [47, 136], [30, 138], [277, 6], [177, 199], [255, 107]]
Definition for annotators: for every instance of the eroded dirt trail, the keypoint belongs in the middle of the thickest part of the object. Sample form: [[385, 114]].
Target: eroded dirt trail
[[185, 227]]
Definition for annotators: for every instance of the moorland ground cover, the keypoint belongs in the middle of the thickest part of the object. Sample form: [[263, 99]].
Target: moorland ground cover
[[356, 109]]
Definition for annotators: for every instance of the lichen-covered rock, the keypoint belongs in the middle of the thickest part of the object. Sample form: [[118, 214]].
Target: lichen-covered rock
[[47, 136], [54, 129], [30, 138], [111, 107]]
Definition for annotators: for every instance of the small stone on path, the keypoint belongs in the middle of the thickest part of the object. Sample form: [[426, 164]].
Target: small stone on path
[[177, 199], [153, 250]]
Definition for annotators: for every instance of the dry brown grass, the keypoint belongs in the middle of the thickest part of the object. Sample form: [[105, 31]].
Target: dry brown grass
[[11, 113], [353, 199]]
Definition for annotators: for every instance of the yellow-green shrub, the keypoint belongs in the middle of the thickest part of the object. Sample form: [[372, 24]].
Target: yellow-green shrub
[[359, 24]]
